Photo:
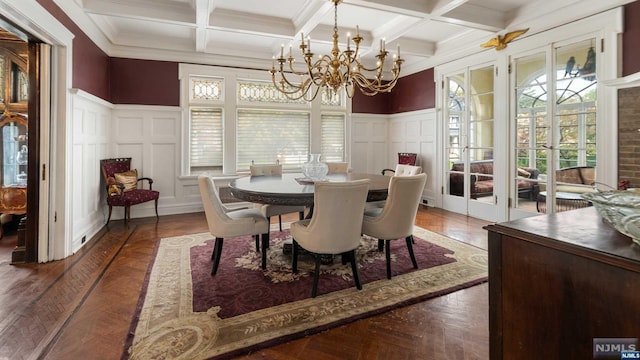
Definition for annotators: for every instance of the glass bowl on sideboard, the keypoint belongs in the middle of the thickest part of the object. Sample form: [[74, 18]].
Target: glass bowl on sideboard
[[620, 208]]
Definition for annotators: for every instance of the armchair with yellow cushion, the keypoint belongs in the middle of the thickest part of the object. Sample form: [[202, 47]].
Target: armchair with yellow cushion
[[122, 186]]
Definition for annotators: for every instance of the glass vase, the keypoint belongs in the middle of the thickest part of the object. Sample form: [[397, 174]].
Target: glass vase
[[22, 155], [315, 169]]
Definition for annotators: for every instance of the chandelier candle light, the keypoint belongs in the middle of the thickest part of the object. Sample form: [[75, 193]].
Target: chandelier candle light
[[340, 69]]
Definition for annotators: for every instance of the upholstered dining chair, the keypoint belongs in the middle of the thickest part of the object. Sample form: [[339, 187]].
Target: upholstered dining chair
[[338, 167], [224, 223], [270, 210], [403, 159], [335, 227], [395, 220], [401, 170], [122, 186], [404, 170]]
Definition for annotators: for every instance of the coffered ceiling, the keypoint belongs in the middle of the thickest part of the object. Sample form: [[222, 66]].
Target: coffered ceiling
[[250, 32]]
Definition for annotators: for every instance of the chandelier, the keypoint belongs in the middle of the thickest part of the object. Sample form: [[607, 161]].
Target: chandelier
[[341, 69]]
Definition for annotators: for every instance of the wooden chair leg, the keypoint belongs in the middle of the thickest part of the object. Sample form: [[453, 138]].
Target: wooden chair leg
[[265, 246], [354, 269], [316, 275], [157, 217], [215, 250], [280, 222], [410, 243], [387, 255], [109, 217], [217, 253], [127, 214], [257, 237]]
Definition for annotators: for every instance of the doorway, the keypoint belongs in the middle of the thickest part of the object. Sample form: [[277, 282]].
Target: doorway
[[469, 142], [19, 139], [555, 126]]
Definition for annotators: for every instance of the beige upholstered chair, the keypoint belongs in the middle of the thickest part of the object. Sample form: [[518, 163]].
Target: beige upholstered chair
[[403, 159], [403, 170], [338, 167], [269, 210], [395, 220], [225, 223], [335, 227]]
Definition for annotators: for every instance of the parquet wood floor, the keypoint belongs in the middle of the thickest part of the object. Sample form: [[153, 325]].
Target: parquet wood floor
[[81, 307]]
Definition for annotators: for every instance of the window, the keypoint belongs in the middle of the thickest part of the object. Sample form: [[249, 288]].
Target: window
[[332, 146], [205, 147], [233, 117], [265, 136], [456, 110], [574, 122]]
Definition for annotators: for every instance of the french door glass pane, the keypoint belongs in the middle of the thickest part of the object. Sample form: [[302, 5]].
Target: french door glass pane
[[480, 139], [531, 128], [455, 140], [568, 137]]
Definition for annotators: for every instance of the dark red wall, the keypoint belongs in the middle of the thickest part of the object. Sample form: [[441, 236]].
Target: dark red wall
[[414, 92], [631, 39], [144, 82], [90, 64], [377, 104]]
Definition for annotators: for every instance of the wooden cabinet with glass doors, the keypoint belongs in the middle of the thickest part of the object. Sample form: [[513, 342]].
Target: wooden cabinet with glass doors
[[13, 171], [14, 102]]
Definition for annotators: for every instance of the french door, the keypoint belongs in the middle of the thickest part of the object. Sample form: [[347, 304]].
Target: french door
[[553, 122], [469, 127]]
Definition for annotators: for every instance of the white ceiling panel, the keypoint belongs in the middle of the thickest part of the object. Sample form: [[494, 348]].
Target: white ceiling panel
[[254, 30]]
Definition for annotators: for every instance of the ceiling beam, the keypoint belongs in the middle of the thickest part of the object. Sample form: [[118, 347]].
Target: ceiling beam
[[203, 13], [152, 11], [475, 17]]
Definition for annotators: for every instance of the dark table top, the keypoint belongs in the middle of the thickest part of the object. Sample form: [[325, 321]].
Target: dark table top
[[287, 190], [580, 231]]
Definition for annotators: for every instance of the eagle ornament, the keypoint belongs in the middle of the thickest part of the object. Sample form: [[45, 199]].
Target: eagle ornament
[[500, 42]]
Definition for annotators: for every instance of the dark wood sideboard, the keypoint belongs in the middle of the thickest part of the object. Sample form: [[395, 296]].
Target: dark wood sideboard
[[558, 281]]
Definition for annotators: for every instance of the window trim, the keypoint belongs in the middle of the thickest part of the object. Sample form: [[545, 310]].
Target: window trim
[[231, 104]]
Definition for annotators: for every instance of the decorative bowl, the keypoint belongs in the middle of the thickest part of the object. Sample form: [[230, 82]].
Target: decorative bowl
[[621, 208]]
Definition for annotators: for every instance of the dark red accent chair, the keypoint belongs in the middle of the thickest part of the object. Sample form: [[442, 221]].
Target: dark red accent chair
[[125, 198]]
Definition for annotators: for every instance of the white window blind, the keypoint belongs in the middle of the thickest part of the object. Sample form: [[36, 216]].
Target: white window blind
[[332, 143], [267, 136], [205, 139]]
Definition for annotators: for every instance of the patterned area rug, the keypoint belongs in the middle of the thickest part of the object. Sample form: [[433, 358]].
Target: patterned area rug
[[186, 313]]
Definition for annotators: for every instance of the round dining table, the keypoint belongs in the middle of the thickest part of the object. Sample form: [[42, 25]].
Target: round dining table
[[294, 189]]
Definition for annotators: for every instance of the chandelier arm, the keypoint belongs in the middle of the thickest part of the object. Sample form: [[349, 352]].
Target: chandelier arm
[[370, 88], [284, 80]]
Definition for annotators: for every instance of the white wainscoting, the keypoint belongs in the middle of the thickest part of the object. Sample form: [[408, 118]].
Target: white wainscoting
[[91, 118], [151, 136], [416, 132], [369, 143], [376, 141]]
